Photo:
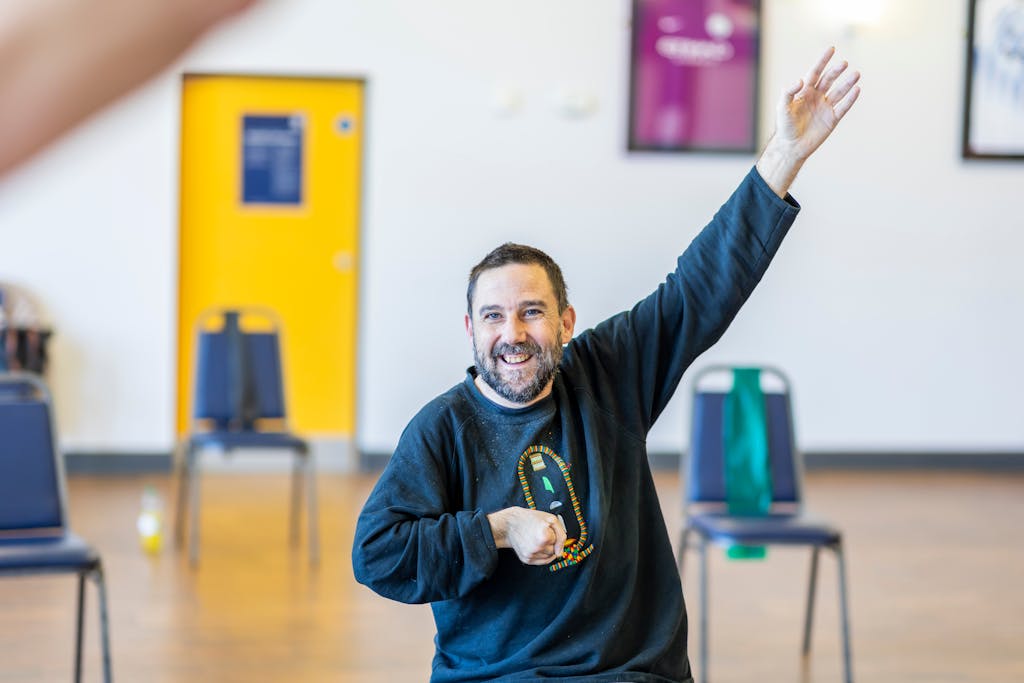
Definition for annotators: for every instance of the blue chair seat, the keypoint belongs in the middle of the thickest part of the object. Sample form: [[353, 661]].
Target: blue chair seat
[[782, 529], [64, 553], [226, 440]]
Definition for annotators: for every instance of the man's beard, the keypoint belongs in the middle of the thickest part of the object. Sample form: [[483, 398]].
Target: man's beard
[[522, 388]]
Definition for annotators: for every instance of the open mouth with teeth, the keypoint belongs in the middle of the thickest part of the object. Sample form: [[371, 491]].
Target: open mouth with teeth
[[515, 355], [517, 372]]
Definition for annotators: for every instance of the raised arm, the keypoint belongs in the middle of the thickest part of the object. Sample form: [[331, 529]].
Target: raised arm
[[62, 60], [805, 116]]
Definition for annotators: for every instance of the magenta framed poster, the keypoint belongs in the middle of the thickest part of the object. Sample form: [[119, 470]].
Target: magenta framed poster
[[694, 75]]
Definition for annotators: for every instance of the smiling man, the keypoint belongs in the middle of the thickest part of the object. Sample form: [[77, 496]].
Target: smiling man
[[520, 502]]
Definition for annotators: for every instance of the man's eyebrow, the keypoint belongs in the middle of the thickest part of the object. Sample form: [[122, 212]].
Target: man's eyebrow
[[533, 303]]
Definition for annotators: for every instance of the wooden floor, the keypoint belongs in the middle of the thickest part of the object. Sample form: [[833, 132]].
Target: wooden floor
[[936, 565]]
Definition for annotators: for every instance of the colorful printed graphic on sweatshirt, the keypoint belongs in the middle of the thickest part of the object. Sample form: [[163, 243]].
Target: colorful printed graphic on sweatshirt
[[550, 489]]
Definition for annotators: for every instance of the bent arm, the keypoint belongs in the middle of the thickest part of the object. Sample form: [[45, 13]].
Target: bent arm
[[62, 60], [412, 544]]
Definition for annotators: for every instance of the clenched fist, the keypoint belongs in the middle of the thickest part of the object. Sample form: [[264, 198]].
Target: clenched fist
[[536, 537]]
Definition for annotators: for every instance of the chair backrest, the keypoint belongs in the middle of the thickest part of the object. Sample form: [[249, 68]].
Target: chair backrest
[[238, 376], [705, 463], [32, 495]]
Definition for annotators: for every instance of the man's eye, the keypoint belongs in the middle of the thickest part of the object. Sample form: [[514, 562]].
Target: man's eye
[[492, 316], [533, 312]]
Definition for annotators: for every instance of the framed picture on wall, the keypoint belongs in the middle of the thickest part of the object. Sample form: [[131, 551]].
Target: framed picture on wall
[[994, 98], [694, 75]]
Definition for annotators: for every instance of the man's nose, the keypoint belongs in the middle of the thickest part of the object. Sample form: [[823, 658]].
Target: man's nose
[[514, 331]]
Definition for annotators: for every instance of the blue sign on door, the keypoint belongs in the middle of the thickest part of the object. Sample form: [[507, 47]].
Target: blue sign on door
[[272, 159]]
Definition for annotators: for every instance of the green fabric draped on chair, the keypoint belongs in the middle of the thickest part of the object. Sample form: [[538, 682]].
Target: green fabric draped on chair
[[748, 481]]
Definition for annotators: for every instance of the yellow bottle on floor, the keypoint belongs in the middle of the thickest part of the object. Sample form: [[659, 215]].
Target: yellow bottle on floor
[[151, 521]]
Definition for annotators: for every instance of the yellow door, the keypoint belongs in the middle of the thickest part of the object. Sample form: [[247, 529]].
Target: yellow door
[[270, 191]]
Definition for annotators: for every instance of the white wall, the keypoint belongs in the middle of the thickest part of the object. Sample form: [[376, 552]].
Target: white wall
[[894, 304]]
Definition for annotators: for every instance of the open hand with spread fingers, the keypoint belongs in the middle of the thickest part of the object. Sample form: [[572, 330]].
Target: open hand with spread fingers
[[809, 111], [805, 116]]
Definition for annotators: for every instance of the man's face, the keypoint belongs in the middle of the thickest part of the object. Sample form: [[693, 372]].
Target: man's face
[[517, 333]]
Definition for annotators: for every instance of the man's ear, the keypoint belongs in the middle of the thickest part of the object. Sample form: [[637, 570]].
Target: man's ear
[[469, 326], [568, 323]]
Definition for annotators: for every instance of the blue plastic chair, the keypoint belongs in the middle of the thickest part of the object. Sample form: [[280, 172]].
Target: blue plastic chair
[[34, 533], [239, 404], [786, 523]]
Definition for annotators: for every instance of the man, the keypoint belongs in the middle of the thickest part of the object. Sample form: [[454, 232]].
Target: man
[[62, 60], [520, 502]]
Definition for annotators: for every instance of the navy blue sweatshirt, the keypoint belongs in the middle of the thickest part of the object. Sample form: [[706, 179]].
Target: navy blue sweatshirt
[[613, 609]]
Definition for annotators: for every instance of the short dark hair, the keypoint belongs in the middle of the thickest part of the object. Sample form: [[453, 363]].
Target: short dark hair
[[509, 253]]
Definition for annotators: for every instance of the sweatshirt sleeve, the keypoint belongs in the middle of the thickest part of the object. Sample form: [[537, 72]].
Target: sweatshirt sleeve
[[411, 545], [641, 354]]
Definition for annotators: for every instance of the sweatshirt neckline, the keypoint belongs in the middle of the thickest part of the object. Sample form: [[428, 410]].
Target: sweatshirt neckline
[[542, 408]]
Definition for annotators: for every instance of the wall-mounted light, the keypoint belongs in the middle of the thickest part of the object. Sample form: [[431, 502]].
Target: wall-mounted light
[[507, 100], [575, 102]]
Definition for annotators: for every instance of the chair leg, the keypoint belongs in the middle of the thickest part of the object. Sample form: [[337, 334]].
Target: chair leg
[[704, 611], [101, 587], [296, 498], [845, 617], [193, 507], [313, 512], [78, 627], [684, 536], [811, 586], [182, 472]]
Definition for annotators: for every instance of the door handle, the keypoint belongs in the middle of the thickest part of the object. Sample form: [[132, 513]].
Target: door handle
[[344, 261]]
